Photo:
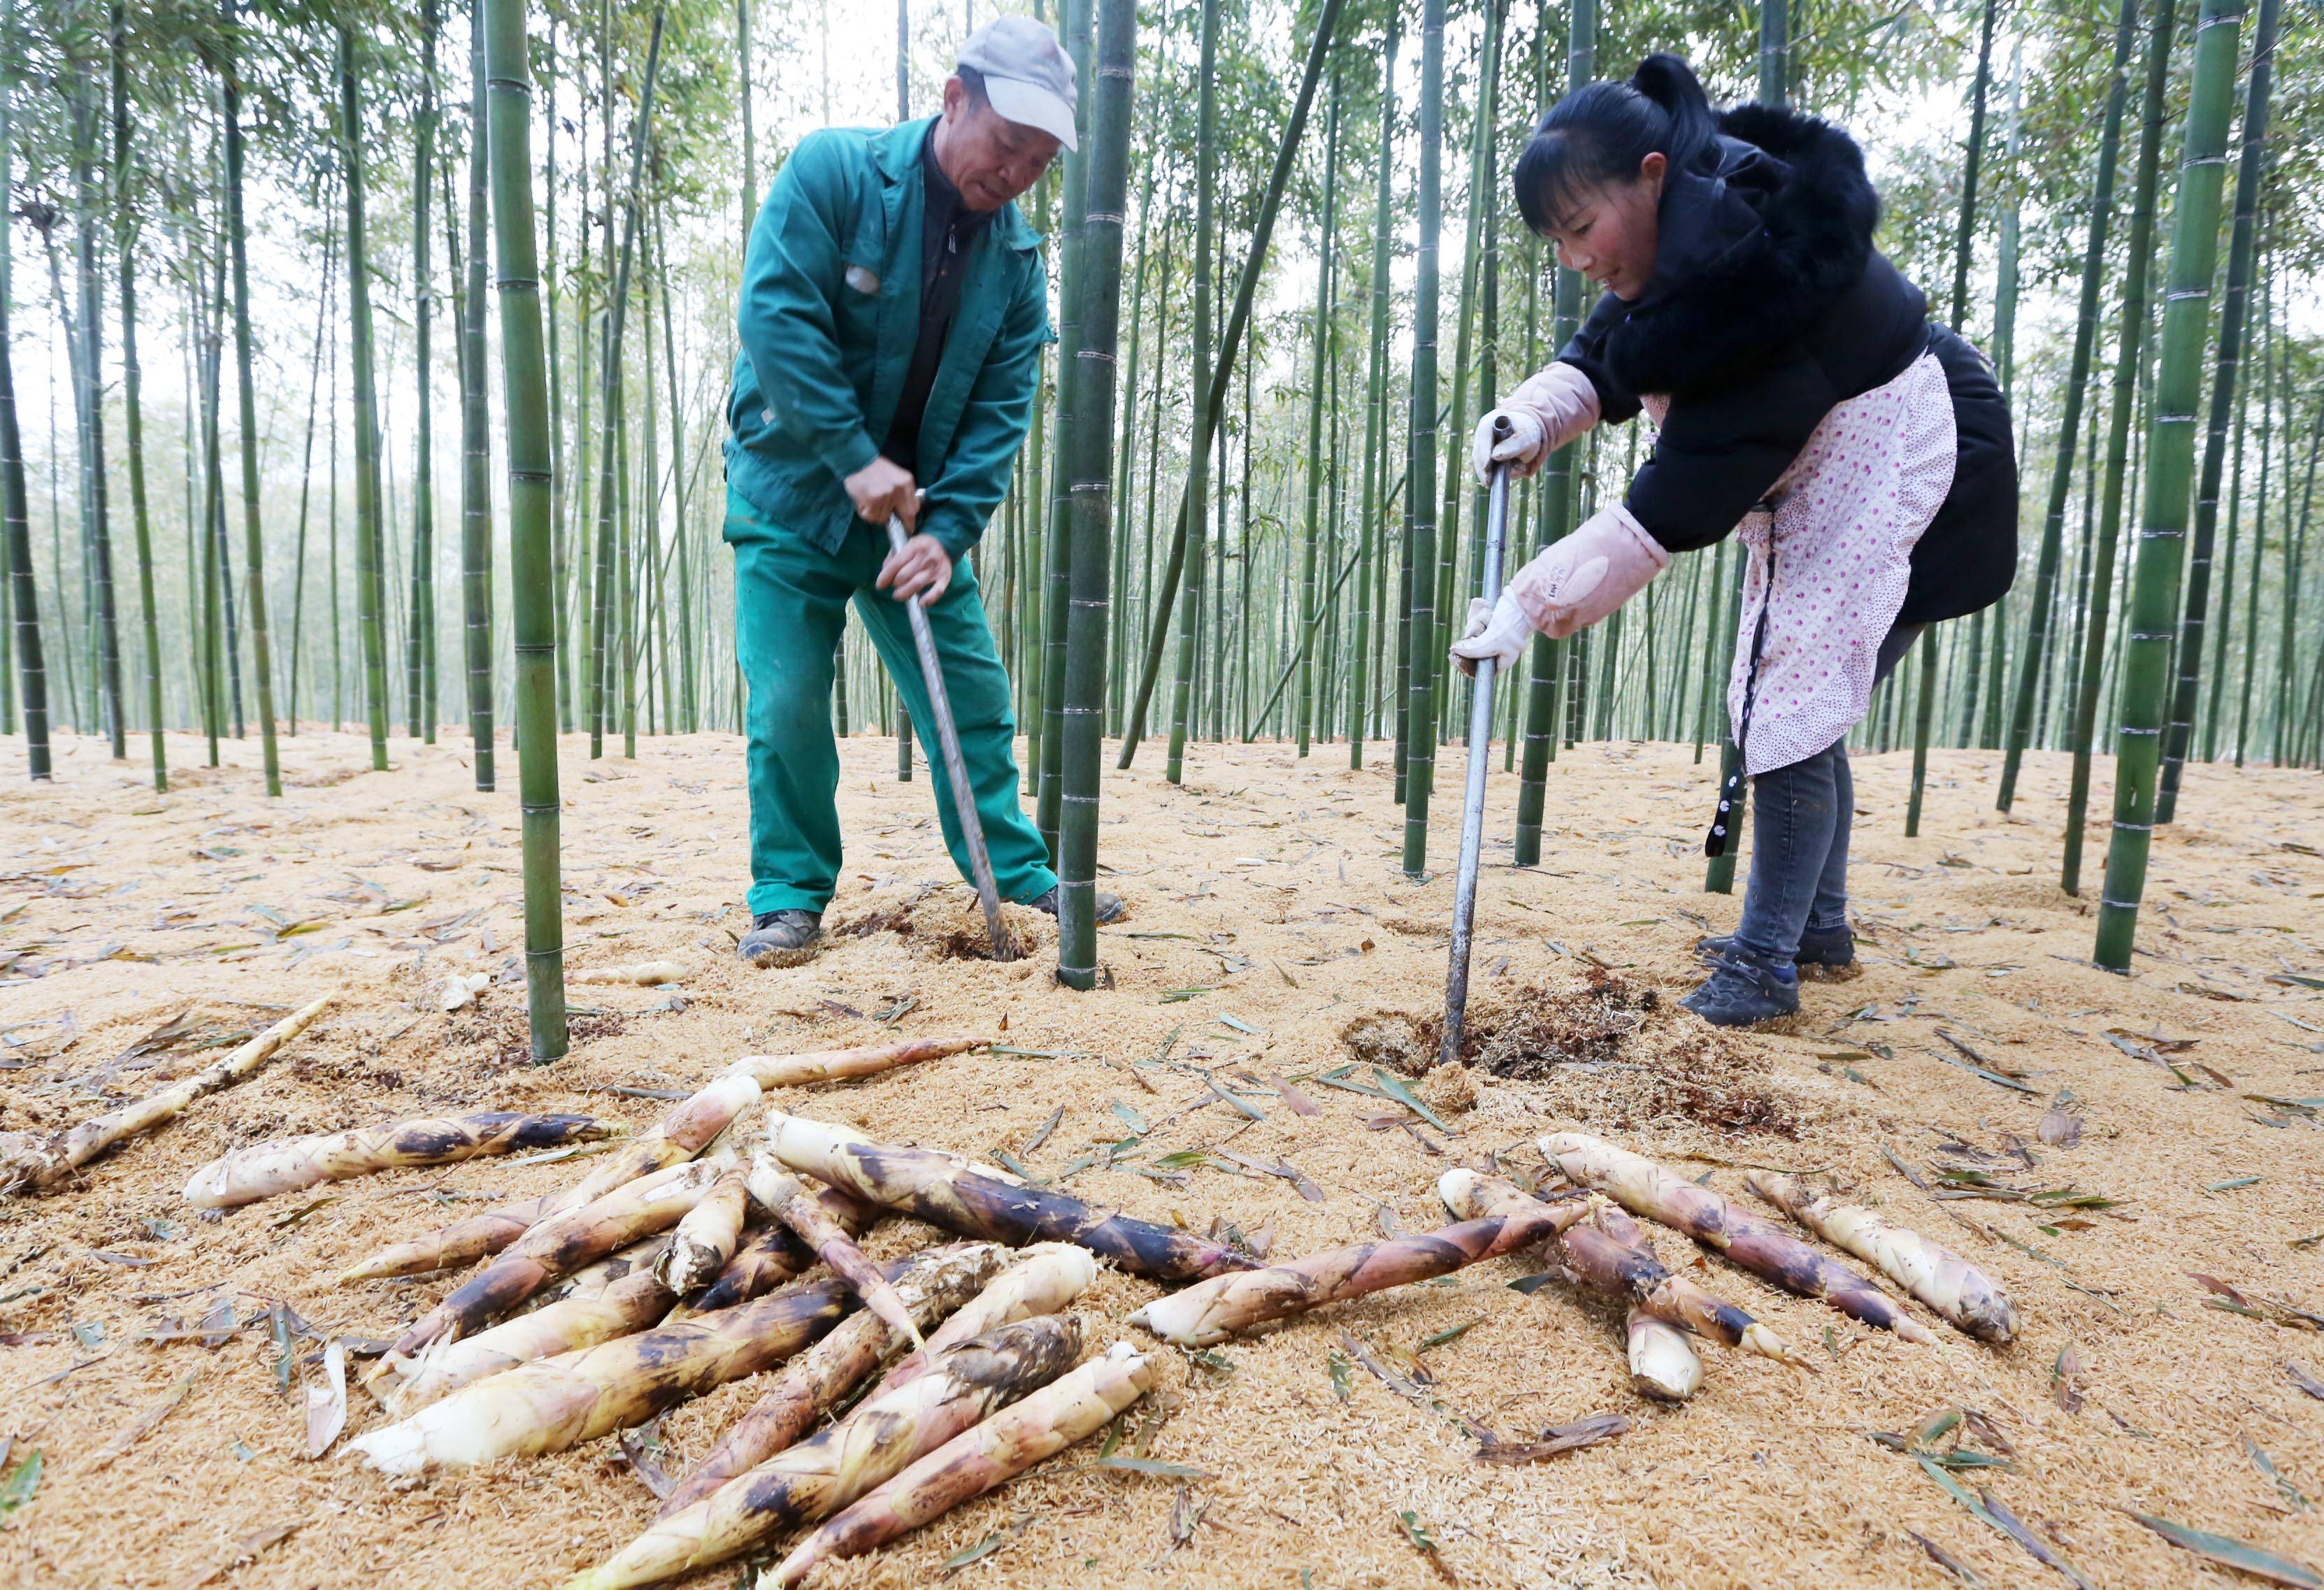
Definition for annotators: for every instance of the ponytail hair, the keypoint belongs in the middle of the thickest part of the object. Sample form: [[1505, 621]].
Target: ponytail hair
[[1601, 132]]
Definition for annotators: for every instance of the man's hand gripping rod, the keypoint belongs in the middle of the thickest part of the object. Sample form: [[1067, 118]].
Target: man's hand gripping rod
[[964, 797], [1481, 751]]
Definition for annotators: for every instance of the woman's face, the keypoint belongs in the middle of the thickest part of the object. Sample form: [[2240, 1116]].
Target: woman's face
[[1609, 233]]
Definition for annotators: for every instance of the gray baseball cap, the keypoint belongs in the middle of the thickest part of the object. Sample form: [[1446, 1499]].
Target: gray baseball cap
[[1027, 75]]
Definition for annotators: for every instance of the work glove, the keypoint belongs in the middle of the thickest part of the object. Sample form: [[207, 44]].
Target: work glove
[[1497, 629], [1522, 449], [1548, 409], [1584, 576]]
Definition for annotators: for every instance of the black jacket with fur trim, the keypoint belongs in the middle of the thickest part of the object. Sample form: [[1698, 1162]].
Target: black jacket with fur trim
[[1768, 306]]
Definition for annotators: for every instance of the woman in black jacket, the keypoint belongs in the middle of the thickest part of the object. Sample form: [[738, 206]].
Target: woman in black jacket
[[1803, 400]]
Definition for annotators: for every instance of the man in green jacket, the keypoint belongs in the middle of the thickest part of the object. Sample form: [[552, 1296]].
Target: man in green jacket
[[893, 310]]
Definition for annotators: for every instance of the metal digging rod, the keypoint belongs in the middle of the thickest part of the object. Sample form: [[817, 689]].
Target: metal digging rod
[[1481, 751], [964, 798]]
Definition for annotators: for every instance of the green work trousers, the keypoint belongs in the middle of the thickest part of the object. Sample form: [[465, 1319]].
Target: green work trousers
[[790, 605]]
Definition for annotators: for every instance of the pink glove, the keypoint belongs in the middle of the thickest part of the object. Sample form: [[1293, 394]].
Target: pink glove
[[1546, 411], [1581, 579]]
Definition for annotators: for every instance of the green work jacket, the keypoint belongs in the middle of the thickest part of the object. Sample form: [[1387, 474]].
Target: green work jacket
[[829, 310]]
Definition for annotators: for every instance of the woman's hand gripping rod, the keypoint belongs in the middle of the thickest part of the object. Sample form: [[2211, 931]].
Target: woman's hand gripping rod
[[964, 797]]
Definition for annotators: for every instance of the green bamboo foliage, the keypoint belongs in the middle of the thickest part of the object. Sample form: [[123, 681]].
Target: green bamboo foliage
[[2121, 400], [475, 460], [524, 386], [1420, 744], [2249, 171], [125, 258], [253, 548], [1198, 463], [1370, 546], [2070, 422], [1106, 178], [370, 587], [2170, 466]]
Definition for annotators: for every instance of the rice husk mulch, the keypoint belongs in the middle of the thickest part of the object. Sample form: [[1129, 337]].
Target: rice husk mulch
[[1270, 934]]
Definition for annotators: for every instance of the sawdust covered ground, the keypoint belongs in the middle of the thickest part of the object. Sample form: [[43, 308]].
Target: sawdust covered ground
[[1271, 934]]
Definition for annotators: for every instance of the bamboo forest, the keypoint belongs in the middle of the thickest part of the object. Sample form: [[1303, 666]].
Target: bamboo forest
[[862, 793]]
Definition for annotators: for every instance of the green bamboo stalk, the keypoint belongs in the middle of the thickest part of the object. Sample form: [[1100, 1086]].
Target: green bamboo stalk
[[2249, 171], [2121, 400], [368, 589], [85, 336], [610, 567], [1106, 180], [2220, 631], [1305, 717], [525, 401], [15, 519], [1196, 509], [2169, 461], [2061, 470], [418, 611], [476, 449], [125, 254], [1420, 744], [1190, 503], [1057, 573], [1371, 549], [261, 646], [1963, 235]]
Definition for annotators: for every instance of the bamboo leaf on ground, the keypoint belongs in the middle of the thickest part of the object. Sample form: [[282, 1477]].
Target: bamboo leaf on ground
[[2233, 1553]]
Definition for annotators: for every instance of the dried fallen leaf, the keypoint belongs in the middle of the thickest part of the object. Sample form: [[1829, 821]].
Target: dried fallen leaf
[[2303, 1380], [2014, 1528], [326, 1404], [248, 1547], [1557, 1440], [1945, 1559], [145, 1422], [2065, 1377]]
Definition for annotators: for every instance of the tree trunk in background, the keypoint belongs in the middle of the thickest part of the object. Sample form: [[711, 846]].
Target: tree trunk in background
[[475, 440], [1327, 23], [1195, 503], [1321, 355], [369, 585], [2153, 601], [2070, 422], [419, 614], [1926, 710], [1420, 741], [1106, 179], [124, 252], [253, 546], [2121, 400], [90, 392], [606, 614], [16, 522], [1545, 667], [2249, 172]]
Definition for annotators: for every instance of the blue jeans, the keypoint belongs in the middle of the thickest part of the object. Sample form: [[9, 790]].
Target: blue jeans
[[1799, 841]]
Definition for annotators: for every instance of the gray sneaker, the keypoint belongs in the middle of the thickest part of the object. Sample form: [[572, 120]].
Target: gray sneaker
[[1834, 951], [781, 937], [1108, 906], [1744, 989]]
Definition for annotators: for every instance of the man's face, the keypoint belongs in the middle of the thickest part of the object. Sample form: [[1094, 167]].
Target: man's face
[[989, 158]]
